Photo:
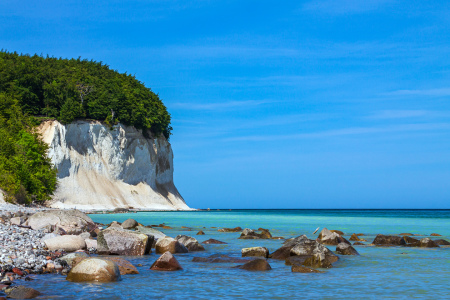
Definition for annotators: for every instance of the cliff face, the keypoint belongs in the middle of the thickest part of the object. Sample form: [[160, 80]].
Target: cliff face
[[99, 168]]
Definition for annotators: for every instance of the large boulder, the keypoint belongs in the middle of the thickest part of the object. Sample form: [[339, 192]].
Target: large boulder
[[168, 244], [259, 264], [94, 269], [91, 244], [21, 292], [190, 243], [285, 250], [68, 243], [328, 237], [71, 221], [310, 247], [248, 233], [125, 267], [129, 224], [388, 240], [166, 262], [428, 243], [123, 242], [346, 249]]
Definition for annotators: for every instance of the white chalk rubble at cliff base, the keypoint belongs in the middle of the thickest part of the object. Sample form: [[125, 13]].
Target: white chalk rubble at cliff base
[[100, 169]]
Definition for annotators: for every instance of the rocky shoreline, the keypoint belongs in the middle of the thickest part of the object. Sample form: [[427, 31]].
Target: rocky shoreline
[[36, 241]]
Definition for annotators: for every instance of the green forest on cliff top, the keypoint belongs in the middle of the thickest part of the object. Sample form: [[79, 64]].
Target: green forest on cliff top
[[36, 87]]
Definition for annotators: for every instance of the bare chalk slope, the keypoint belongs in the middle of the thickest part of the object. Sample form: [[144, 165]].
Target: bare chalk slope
[[100, 168]]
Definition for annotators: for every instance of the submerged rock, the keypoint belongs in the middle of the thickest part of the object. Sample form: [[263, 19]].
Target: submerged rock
[[94, 269], [259, 264], [213, 241], [255, 251], [166, 262], [219, 258], [442, 242], [21, 292], [318, 261], [303, 269], [236, 229], [200, 233], [435, 234], [428, 243], [346, 249], [355, 237]]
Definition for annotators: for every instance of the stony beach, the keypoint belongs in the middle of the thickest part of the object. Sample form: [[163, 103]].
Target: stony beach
[[37, 241]]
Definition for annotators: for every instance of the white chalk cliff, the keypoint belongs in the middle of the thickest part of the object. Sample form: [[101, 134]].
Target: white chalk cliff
[[99, 168]]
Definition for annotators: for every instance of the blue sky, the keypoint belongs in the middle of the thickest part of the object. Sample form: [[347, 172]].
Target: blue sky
[[277, 104]]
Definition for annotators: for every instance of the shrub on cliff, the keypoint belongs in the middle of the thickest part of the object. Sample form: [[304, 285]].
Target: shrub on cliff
[[26, 173], [67, 89]]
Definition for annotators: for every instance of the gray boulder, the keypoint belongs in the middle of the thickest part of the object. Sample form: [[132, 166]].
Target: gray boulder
[[428, 243], [328, 237], [168, 244], [68, 243], [70, 258], [151, 231], [190, 243], [129, 224], [72, 221], [346, 249], [123, 242]]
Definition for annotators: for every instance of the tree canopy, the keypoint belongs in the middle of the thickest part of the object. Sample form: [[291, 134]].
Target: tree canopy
[[68, 89]]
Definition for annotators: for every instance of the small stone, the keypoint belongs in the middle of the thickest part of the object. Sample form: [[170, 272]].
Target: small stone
[[200, 233], [435, 234], [129, 224]]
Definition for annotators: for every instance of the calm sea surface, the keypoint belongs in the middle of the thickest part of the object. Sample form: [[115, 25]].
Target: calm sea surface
[[386, 273]]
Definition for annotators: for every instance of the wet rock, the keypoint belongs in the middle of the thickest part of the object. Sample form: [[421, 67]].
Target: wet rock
[[166, 262], [442, 242], [355, 237], [68, 243], [69, 258], [94, 269], [248, 233], [303, 269], [428, 243], [406, 233], [190, 243], [200, 233], [213, 241], [409, 241], [358, 244], [346, 249], [72, 221], [265, 234], [309, 247], [125, 267], [388, 240], [255, 251], [218, 258], [338, 232], [259, 264], [318, 261], [236, 229], [285, 251], [295, 260], [435, 234], [327, 237], [21, 292], [168, 244], [129, 224], [123, 242]]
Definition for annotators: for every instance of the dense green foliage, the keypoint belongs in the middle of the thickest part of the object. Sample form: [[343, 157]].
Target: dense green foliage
[[67, 89], [26, 173]]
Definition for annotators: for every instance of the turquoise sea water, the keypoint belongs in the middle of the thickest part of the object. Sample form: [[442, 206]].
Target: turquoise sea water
[[379, 272]]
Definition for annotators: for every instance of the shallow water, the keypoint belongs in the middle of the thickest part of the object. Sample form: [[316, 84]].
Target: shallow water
[[394, 272]]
